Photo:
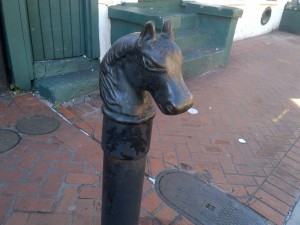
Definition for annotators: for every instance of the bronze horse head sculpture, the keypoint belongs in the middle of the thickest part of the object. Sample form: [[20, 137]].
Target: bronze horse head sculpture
[[142, 63], [137, 66]]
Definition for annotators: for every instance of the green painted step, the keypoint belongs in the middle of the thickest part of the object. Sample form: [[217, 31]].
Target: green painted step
[[68, 86], [290, 19], [49, 68], [187, 21], [202, 60], [188, 39], [203, 32], [141, 15]]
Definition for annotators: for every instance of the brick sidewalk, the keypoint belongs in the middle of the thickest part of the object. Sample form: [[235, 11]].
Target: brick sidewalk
[[56, 178]]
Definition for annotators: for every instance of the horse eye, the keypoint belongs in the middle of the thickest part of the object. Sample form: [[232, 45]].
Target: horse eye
[[150, 65]]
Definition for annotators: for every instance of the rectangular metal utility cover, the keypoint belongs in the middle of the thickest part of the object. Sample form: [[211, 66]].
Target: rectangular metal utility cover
[[202, 203]]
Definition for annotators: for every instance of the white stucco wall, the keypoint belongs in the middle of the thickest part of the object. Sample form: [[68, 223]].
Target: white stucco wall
[[104, 23], [249, 25]]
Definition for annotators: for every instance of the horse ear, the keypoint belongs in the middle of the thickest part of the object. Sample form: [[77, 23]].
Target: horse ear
[[147, 33], [167, 29]]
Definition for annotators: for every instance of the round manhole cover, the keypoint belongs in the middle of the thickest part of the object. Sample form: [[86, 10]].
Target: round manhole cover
[[37, 125], [8, 139]]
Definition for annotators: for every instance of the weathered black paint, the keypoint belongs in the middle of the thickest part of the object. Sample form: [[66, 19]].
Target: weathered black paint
[[136, 67], [140, 64], [122, 190], [124, 141]]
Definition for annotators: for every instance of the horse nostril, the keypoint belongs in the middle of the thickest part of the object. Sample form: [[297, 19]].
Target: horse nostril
[[169, 107], [174, 108], [179, 100]]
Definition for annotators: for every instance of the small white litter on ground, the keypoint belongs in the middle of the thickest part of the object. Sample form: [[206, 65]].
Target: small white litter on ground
[[193, 111], [72, 207], [242, 141], [152, 180]]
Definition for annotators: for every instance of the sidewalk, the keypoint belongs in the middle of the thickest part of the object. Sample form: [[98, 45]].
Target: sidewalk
[[56, 178]]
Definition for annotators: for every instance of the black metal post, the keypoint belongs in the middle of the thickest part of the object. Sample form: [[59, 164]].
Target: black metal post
[[125, 147], [135, 67], [122, 190]]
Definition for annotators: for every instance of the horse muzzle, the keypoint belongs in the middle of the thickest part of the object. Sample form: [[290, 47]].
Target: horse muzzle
[[178, 101]]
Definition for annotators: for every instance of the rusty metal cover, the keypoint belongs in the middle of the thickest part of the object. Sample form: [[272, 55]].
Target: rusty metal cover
[[37, 125], [8, 139], [202, 203]]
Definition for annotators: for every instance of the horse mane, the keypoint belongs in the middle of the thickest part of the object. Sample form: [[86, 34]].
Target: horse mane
[[122, 47], [126, 45]]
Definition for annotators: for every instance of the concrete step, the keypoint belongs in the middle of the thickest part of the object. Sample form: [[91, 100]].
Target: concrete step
[[188, 39], [139, 15], [48, 68], [201, 60], [187, 21], [202, 50], [66, 87]]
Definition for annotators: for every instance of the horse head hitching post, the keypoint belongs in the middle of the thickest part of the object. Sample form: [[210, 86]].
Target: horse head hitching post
[[137, 65]]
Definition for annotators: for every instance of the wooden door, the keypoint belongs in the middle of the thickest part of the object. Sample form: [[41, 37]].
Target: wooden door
[[47, 30], [57, 28]]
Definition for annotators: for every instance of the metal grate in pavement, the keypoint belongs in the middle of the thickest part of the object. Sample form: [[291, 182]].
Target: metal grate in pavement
[[37, 125], [202, 203], [8, 139]]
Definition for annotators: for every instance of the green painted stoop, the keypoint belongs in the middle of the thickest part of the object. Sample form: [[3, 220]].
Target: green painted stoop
[[63, 80], [290, 19], [203, 32]]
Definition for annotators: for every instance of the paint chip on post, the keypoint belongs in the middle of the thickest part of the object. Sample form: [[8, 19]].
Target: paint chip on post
[[242, 141], [193, 111]]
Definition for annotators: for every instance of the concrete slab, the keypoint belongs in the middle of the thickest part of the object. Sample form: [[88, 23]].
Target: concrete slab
[[295, 216]]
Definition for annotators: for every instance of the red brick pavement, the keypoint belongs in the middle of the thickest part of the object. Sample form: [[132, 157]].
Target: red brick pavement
[[56, 178]]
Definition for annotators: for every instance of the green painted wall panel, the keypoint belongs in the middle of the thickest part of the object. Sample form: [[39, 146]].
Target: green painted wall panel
[[95, 29], [46, 27], [18, 41], [91, 28], [76, 27], [58, 44], [35, 29], [58, 28], [66, 27], [82, 31], [87, 28]]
